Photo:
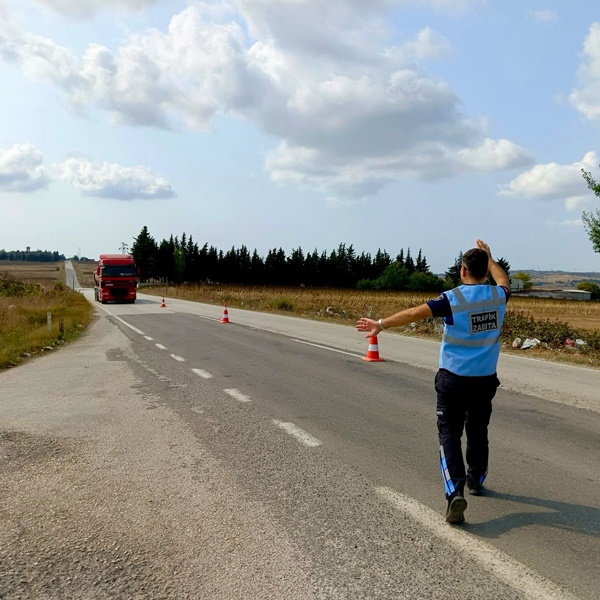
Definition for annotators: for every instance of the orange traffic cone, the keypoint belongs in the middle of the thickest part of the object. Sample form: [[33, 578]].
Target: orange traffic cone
[[373, 352], [225, 318], [162, 304]]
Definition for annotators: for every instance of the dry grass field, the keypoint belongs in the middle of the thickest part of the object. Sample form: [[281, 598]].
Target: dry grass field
[[33, 272], [577, 313], [85, 272], [29, 292]]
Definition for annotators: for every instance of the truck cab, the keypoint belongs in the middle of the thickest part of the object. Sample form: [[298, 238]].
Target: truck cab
[[116, 278]]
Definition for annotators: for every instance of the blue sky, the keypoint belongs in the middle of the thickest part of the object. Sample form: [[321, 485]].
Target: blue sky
[[421, 124]]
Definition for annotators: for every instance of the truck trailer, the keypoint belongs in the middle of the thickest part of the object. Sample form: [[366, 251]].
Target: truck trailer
[[115, 278]]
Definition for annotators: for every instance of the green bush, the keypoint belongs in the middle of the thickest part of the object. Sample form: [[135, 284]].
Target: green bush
[[366, 284], [553, 333], [395, 277], [10, 288], [425, 282], [590, 286], [284, 304]]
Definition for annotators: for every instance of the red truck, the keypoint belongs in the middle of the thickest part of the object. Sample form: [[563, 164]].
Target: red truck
[[115, 278]]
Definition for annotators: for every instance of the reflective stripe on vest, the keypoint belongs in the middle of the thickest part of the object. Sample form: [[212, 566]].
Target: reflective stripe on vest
[[463, 304], [471, 345]]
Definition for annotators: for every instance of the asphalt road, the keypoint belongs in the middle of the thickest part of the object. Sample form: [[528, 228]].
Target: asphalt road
[[70, 275], [319, 470]]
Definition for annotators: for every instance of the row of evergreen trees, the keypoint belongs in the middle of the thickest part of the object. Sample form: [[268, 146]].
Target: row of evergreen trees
[[180, 259], [31, 255]]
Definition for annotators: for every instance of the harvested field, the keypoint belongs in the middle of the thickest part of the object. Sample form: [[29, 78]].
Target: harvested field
[[85, 272], [33, 272]]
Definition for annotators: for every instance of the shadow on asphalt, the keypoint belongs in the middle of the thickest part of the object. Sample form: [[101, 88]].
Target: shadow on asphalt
[[559, 515]]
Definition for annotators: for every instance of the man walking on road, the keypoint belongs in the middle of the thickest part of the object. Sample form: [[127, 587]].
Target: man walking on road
[[466, 381]]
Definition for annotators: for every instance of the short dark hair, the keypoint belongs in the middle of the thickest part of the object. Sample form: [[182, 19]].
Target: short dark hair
[[476, 262]]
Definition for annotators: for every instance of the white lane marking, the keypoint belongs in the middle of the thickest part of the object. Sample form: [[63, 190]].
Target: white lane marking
[[128, 325], [202, 373], [178, 358], [95, 304], [502, 566], [149, 338], [160, 346], [326, 348], [118, 318], [301, 435], [237, 395]]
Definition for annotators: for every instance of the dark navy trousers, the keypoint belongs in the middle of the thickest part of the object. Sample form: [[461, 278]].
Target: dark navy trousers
[[463, 403]]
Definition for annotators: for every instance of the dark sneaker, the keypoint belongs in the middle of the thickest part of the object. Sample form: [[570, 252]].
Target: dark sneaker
[[456, 510], [474, 487]]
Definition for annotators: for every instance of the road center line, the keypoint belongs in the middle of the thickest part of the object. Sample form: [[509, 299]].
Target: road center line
[[178, 358], [301, 435], [502, 566], [237, 395], [128, 325], [202, 373], [326, 348], [149, 338], [160, 346]]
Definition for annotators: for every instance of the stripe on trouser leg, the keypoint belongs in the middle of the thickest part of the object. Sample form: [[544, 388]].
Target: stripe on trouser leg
[[450, 489]]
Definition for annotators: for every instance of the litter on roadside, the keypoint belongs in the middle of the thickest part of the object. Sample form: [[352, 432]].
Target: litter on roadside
[[525, 345], [530, 343]]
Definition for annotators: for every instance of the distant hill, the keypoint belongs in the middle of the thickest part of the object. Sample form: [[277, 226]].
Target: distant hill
[[558, 279]]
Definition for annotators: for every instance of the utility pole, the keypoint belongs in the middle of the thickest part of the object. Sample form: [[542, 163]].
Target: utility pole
[[124, 248]]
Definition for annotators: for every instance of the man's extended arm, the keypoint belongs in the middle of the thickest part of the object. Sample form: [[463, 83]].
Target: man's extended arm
[[404, 317]]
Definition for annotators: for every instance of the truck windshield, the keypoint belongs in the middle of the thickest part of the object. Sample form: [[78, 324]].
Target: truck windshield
[[119, 271]]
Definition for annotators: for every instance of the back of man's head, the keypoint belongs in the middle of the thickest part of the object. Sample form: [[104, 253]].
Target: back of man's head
[[476, 262]]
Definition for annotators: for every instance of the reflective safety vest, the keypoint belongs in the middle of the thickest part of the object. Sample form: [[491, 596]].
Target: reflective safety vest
[[471, 346]]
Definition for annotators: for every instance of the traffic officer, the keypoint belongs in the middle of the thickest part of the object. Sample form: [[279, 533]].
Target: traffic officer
[[466, 381]]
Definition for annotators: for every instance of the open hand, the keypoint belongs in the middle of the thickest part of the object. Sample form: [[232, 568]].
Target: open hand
[[369, 325], [483, 246]]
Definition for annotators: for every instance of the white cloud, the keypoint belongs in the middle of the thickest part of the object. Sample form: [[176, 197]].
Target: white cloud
[[351, 107], [21, 169], [553, 181], [363, 176], [493, 155], [586, 98], [543, 16], [85, 8], [108, 180], [576, 202]]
